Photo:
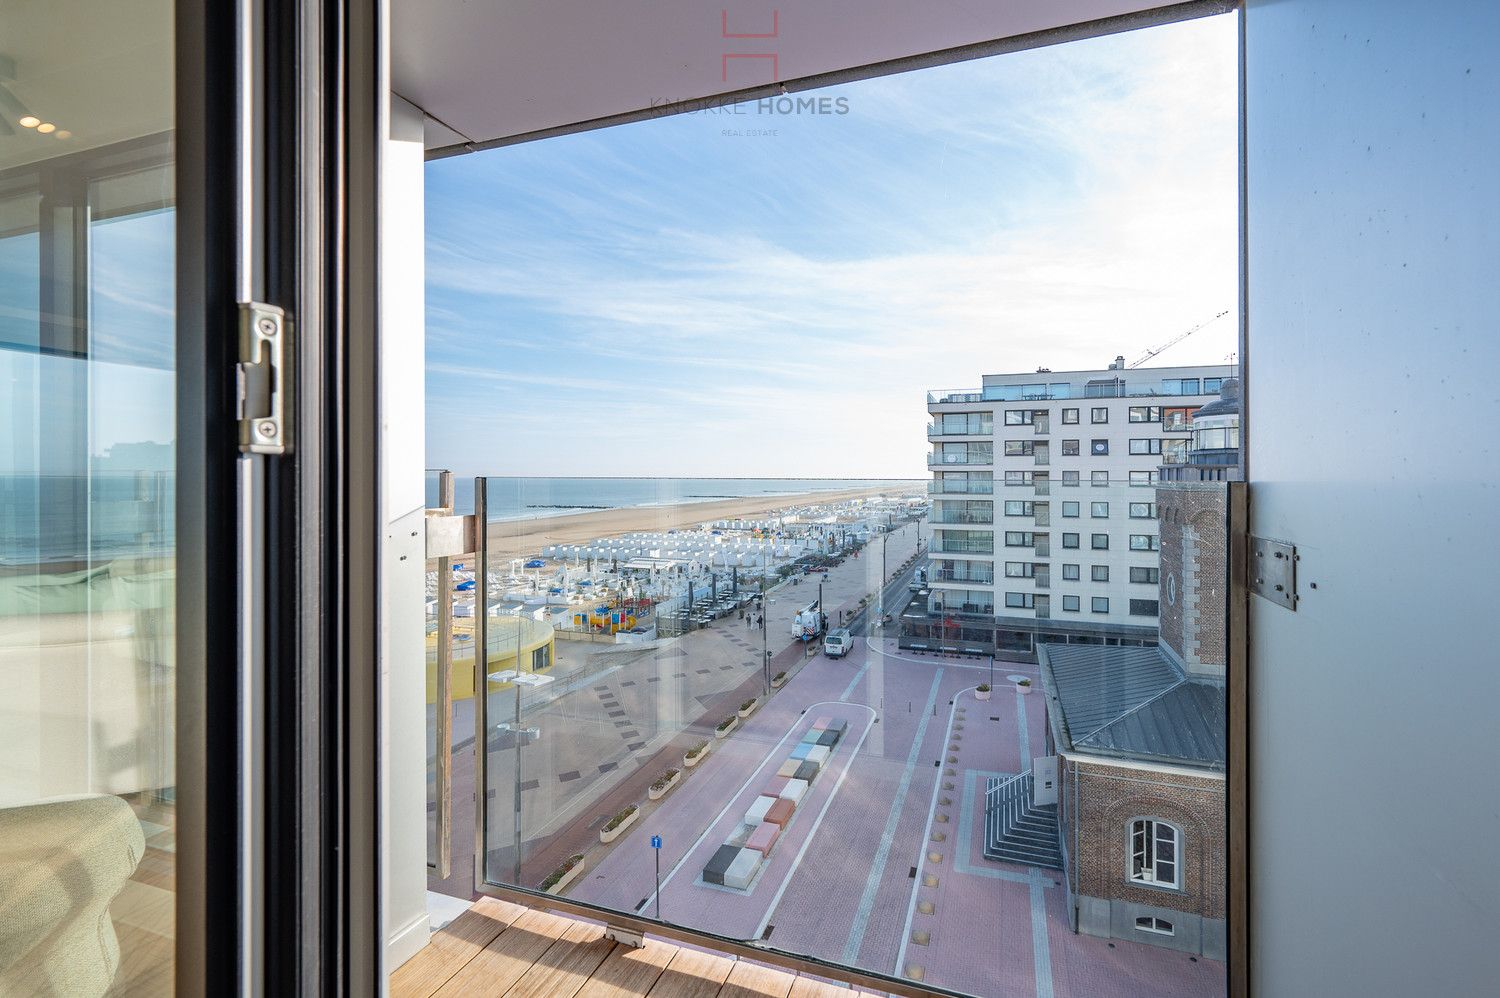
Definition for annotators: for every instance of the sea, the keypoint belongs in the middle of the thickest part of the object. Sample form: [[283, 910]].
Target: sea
[[524, 498]]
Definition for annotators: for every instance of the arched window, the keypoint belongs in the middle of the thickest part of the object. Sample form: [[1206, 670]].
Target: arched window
[[1154, 850]]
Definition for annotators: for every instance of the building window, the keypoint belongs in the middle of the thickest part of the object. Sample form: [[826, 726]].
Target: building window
[[1179, 386], [1070, 572], [1018, 570], [1100, 542], [1070, 479], [1019, 448], [1018, 477], [1174, 451], [1148, 575], [1018, 539], [1070, 509], [1212, 385], [1150, 923], [1099, 414], [1099, 447], [1070, 415], [1070, 540], [1145, 445], [1178, 418], [1099, 510], [541, 658], [1099, 573], [1071, 604], [1017, 417], [1099, 604], [1070, 448], [1144, 608], [1018, 507], [1099, 479], [1143, 511], [1143, 478], [1143, 542], [1145, 414], [1154, 847], [1020, 601]]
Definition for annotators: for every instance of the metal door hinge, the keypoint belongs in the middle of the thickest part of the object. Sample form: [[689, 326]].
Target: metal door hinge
[[1273, 571], [264, 379]]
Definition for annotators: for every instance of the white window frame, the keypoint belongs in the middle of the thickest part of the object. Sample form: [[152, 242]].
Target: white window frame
[[1143, 839]]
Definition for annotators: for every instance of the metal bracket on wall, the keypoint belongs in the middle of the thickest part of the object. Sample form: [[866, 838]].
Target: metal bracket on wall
[[1273, 571]]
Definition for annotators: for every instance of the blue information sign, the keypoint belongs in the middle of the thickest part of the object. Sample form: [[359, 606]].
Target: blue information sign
[[656, 842]]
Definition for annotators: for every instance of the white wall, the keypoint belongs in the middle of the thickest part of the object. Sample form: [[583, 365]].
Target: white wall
[[403, 562], [1373, 187]]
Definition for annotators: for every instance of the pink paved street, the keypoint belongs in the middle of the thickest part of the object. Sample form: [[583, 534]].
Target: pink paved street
[[900, 801]]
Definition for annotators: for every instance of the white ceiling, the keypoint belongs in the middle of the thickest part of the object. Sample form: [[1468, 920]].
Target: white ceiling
[[487, 71], [101, 72]]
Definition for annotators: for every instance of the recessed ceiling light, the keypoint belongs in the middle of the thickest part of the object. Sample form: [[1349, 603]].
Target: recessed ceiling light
[[63, 133], [30, 121], [46, 127]]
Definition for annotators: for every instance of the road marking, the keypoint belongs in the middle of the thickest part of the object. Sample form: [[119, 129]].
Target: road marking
[[1041, 947], [916, 883], [883, 853], [849, 690], [751, 779]]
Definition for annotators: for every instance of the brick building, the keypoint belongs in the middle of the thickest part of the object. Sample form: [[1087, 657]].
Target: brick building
[[1139, 735]]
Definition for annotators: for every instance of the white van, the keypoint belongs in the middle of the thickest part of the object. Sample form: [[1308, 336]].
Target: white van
[[838, 643]]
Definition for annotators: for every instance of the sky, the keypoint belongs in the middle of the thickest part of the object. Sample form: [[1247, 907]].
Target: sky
[[773, 295]]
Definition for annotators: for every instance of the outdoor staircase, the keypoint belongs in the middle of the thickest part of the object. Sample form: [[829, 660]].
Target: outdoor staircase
[[1017, 831]]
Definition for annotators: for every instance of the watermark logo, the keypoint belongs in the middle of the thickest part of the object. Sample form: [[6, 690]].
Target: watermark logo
[[773, 57], [745, 43]]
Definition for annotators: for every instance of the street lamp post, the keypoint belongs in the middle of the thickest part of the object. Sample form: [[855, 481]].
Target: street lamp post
[[885, 542], [765, 655]]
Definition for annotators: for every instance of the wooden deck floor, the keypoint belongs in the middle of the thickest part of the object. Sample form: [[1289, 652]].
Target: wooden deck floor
[[497, 948]]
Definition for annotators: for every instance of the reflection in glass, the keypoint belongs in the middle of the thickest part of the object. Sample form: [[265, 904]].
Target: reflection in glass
[[88, 668]]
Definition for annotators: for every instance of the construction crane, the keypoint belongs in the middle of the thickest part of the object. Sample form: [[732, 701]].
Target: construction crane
[[1177, 339]]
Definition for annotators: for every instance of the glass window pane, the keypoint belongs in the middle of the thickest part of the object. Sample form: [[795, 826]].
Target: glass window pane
[[88, 486]]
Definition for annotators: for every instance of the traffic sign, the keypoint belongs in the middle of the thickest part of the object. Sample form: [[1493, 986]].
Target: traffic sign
[[656, 842]]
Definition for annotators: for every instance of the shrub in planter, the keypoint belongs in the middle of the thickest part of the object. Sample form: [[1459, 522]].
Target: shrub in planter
[[778, 680], [615, 827], [1024, 685], [695, 755], [726, 725], [557, 876], [620, 818], [982, 692], [663, 783], [747, 707]]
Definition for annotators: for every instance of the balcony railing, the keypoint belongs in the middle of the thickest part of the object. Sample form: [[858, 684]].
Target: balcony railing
[[948, 575], [962, 458], [942, 486], [943, 546], [977, 430], [963, 519], [946, 396]]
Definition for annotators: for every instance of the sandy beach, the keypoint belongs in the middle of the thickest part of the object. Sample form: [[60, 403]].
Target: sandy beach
[[526, 538]]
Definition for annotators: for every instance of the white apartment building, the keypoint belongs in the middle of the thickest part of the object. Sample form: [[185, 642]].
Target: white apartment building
[[1043, 515]]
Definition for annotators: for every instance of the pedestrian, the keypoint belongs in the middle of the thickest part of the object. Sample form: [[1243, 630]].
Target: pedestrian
[[748, 622]]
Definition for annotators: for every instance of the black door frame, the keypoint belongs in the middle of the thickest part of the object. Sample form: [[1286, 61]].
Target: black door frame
[[277, 128]]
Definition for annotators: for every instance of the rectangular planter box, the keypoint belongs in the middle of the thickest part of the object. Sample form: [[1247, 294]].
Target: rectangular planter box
[[724, 732], [777, 684], [689, 762], [655, 794], [568, 878], [749, 710], [619, 829]]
